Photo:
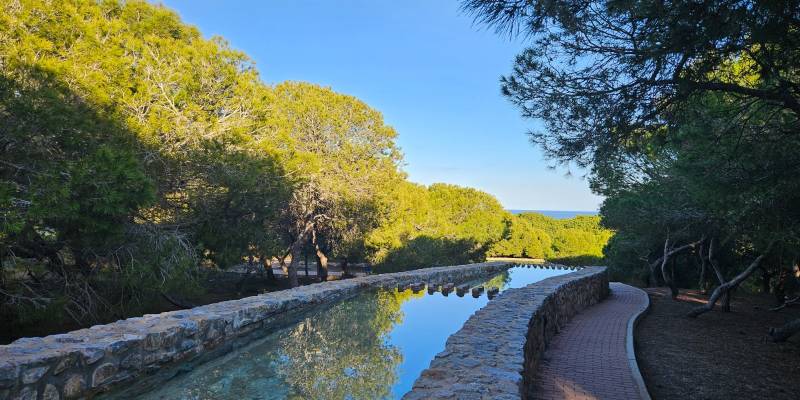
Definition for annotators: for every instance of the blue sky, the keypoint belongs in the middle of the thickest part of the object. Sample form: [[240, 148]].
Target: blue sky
[[424, 64]]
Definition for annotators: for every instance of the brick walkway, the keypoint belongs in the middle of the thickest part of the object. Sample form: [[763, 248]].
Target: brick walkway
[[588, 358]]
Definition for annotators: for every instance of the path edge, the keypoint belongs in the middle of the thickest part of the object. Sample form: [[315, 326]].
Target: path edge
[[630, 349]]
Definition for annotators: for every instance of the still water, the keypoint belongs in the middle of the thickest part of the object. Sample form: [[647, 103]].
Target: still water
[[372, 346]]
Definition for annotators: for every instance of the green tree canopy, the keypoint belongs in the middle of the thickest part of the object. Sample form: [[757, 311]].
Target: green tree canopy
[[128, 154], [436, 225], [686, 114], [344, 159], [536, 235]]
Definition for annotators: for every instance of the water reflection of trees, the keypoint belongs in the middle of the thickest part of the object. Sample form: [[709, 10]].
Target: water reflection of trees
[[499, 281], [342, 353], [339, 352]]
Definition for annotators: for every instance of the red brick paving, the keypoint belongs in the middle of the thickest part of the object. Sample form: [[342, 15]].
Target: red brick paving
[[587, 359]]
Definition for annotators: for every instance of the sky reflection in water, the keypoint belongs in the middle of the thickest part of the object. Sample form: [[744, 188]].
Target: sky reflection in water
[[372, 346]]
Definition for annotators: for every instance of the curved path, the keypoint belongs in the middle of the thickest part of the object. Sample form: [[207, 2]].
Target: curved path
[[592, 357]]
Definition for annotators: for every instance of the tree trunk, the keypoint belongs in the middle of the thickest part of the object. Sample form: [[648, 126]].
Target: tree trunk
[[322, 259], [654, 272], [270, 272], [296, 251], [268, 267], [322, 266], [780, 286], [673, 267], [669, 277], [243, 278], [305, 255], [282, 261], [785, 332], [297, 248], [726, 298], [726, 287], [345, 271], [673, 284], [766, 277], [701, 284]]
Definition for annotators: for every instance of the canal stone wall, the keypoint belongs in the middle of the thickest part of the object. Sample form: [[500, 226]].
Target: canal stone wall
[[496, 352], [88, 361]]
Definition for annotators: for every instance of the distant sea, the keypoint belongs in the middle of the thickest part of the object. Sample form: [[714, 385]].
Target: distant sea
[[556, 214]]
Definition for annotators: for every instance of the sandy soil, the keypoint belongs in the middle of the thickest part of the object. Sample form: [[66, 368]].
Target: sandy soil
[[717, 355]]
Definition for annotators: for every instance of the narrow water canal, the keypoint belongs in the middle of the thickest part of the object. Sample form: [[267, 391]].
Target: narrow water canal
[[372, 346]]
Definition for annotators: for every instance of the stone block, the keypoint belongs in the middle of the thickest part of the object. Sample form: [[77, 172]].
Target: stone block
[[51, 393], [32, 375], [74, 386], [103, 373], [9, 374], [27, 393]]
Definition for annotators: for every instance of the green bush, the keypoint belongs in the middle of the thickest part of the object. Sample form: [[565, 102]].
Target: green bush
[[535, 235]]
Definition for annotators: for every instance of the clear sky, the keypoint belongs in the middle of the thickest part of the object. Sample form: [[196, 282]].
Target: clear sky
[[432, 73]]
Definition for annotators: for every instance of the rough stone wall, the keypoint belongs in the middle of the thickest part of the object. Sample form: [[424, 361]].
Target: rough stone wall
[[92, 360], [496, 352]]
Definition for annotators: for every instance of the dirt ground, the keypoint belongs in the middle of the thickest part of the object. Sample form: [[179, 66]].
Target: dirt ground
[[717, 355]]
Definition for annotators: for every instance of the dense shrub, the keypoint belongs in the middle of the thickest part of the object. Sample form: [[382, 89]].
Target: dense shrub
[[436, 225], [534, 235]]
